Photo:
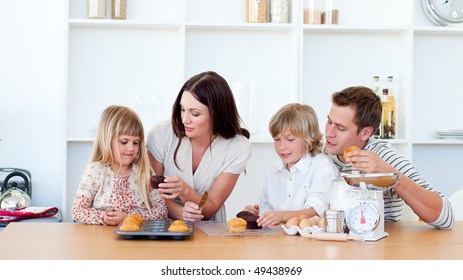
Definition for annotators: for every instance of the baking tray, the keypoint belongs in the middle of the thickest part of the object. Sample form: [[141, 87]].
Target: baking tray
[[154, 230]]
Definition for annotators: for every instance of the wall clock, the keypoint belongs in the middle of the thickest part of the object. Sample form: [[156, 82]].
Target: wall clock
[[444, 12]]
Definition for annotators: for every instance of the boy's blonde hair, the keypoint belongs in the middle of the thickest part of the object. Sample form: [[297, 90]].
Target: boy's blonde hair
[[119, 120], [301, 120]]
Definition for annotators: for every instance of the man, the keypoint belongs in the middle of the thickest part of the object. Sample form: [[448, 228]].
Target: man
[[354, 116]]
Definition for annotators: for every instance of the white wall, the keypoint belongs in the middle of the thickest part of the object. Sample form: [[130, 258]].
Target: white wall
[[32, 87], [33, 81]]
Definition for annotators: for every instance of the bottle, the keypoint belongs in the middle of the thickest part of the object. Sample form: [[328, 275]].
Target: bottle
[[96, 8], [330, 14], [375, 89], [390, 85], [119, 9], [386, 118]]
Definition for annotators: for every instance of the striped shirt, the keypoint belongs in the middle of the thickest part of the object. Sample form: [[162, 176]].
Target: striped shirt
[[393, 203]]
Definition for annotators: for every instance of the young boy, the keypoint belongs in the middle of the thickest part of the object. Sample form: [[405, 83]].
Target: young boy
[[300, 184]]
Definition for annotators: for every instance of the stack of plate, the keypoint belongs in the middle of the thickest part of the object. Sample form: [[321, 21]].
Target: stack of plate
[[450, 134]]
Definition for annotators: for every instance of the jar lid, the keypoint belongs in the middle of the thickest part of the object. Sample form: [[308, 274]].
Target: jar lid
[[334, 214]]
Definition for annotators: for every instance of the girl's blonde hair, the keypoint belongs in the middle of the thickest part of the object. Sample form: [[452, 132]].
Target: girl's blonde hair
[[301, 120], [119, 120]]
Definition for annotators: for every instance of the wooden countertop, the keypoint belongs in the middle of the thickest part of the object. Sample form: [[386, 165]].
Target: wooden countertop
[[56, 241]]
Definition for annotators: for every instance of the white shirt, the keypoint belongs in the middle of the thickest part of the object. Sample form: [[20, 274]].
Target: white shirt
[[306, 185], [224, 156]]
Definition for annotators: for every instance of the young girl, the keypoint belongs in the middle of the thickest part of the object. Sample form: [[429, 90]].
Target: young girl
[[300, 184], [116, 181]]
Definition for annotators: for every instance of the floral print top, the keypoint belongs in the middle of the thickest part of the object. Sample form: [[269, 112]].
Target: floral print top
[[101, 190]]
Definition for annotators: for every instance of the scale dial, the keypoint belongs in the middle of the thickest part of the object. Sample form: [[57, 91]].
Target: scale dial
[[363, 217]]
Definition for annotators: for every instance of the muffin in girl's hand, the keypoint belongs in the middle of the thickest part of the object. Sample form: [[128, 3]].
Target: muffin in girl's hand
[[236, 225]]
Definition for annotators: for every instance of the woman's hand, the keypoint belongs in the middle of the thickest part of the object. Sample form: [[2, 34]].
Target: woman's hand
[[270, 218], [192, 212], [173, 186], [254, 209], [112, 218]]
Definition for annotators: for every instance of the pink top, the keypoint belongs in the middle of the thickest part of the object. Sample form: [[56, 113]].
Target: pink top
[[101, 190]]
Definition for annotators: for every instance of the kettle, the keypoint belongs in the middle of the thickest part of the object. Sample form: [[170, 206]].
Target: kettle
[[14, 199], [16, 196]]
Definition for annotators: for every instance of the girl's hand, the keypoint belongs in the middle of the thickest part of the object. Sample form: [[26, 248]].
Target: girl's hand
[[270, 218], [254, 209], [192, 212], [112, 218], [173, 186]]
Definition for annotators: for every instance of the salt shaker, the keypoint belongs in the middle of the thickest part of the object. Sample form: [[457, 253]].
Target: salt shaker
[[334, 221]]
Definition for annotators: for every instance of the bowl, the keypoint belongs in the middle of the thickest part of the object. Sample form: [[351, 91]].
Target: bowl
[[372, 180]]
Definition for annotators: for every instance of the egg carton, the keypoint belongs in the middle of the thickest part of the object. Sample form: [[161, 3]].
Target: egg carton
[[305, 232]]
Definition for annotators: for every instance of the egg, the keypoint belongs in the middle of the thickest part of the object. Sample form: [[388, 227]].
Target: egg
[[294, 221], [303, 216], [312, 221], [304, 223], [316, 218]]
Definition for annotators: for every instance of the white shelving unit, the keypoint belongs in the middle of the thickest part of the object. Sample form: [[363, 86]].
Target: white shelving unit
[[142, 62]]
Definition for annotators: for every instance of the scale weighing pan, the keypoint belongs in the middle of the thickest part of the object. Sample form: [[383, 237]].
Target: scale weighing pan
[[373, 181]]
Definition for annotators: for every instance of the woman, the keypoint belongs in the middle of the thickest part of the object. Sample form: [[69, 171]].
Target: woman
[[203, 148]]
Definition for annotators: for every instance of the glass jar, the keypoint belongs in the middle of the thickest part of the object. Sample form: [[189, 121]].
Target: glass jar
[[279, 11], [330, 13], [342, 196], [119, 9], [96, 8], [257, 11], [312, 12]]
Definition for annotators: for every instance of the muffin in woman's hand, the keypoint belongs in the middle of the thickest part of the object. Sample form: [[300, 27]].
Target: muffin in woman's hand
[[349, 149], [236, 225], [156, 180]]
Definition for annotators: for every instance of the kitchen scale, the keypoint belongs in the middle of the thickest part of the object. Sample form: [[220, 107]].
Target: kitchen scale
[[364, 204]]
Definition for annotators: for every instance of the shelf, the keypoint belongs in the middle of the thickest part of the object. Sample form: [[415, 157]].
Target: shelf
[[241, 26], [80, 139], [352, 28], [122, 23], [142, 62], [438, 30]]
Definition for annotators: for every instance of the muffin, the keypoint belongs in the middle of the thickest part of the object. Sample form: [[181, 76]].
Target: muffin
[[131, 223], [349, 149], [250, 218], [178, 226], [156, 180], [236, 225]]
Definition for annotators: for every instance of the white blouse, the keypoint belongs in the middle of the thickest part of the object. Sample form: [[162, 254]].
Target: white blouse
[[224, 156]]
